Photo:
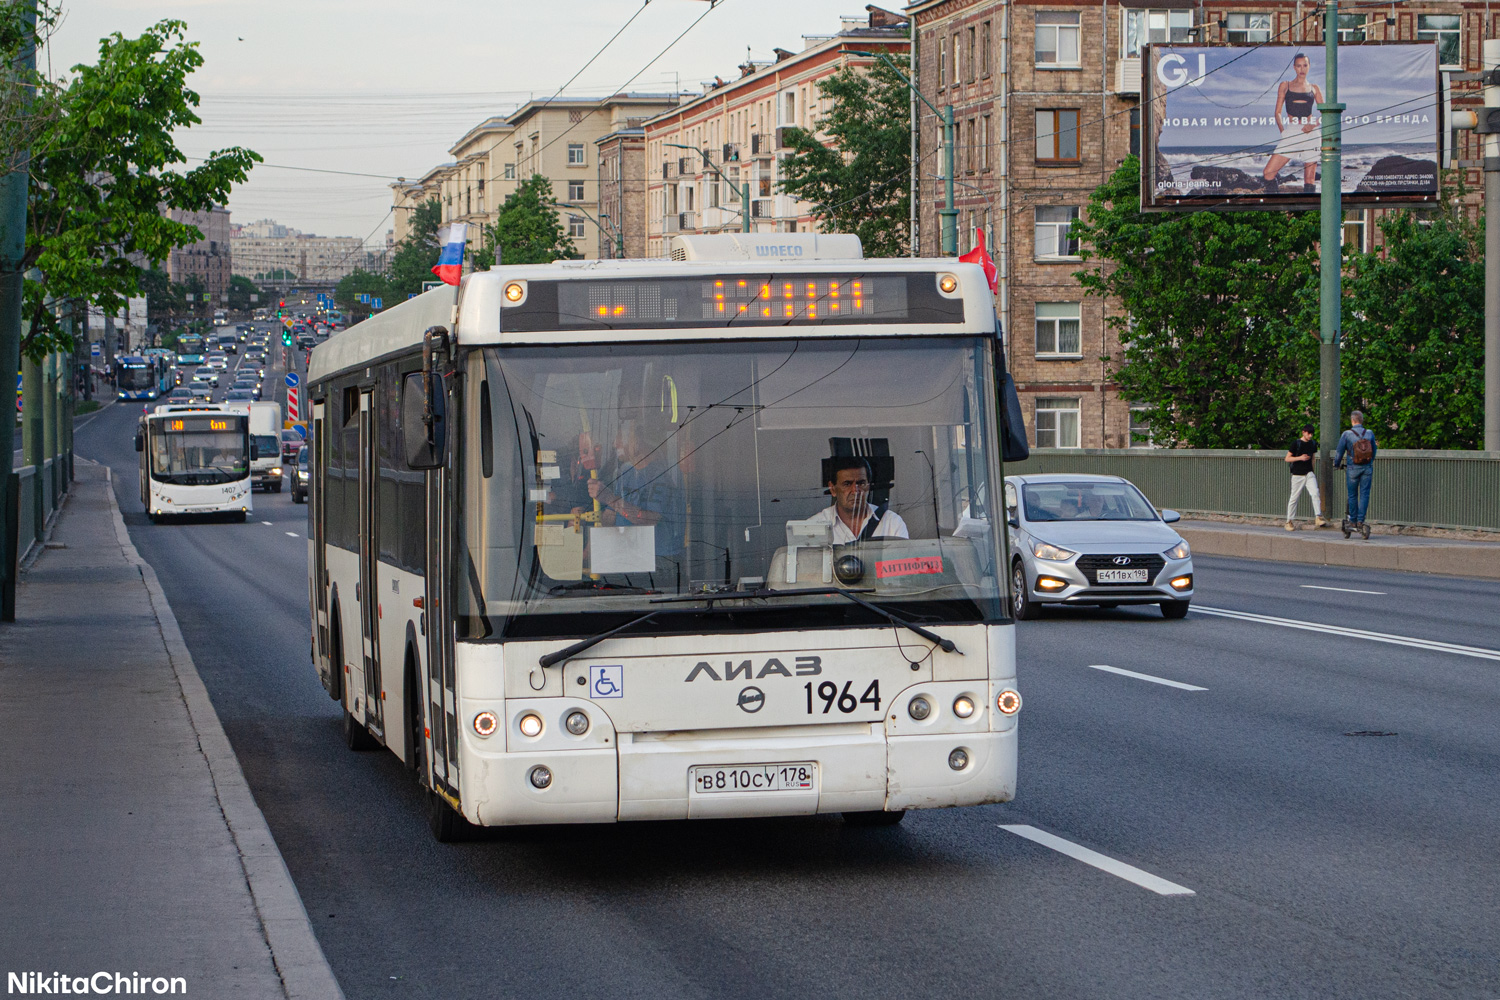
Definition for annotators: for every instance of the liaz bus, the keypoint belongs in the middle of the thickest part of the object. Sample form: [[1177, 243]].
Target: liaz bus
[[195, 459], [142, 376], [190, 350], [703, 537]]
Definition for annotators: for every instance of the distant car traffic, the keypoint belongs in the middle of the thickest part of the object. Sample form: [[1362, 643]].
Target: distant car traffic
[[1083, 539], [240, 396], [300, 477], [181, 394], [290, 442], [217, 361]]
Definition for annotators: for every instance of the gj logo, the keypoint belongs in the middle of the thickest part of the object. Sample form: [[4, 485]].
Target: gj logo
[[607, 681]]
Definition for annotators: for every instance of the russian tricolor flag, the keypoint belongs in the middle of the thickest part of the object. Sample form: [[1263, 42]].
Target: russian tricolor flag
[[450, 263]]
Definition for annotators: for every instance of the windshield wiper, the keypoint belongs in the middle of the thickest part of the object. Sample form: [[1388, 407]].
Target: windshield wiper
[[593, 640], [946, 645]]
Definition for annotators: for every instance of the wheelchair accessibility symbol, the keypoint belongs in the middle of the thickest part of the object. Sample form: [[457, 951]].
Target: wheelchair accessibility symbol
[[607, 681]]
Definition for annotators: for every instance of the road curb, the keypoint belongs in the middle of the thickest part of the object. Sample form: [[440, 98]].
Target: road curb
[[1473, 560], [304, 970]]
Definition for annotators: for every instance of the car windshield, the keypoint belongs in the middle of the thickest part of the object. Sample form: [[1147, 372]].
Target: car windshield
[[198, 458], [708, 464], [1087, 501], [263, 446]]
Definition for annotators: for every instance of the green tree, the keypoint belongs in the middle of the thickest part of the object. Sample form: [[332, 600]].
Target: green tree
[[527, 229], [860, 181], [1218, 334], [358, 282], [414, 257], [1413, 350], [103, 177], [165, 301], [240, 291]]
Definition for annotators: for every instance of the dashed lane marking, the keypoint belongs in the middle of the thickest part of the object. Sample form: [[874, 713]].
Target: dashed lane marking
[[293, 534], [1355, 633], [1343, 590], [265, 522], [1103, 862], [1146, 677]]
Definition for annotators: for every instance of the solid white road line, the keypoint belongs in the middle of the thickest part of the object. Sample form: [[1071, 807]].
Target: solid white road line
[[1103, 862], [1343, 590], [1146, 677], [1355, 633]]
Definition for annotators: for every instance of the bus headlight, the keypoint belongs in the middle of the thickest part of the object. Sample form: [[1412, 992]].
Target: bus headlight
[[577, 723], [919, 708], [540, 776], [963, 706], [515, 291], [958, 759], [530, 724]]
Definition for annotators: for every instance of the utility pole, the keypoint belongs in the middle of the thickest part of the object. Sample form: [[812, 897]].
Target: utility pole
[[1332, 258], [14, 176], [1491, 68], [744, 188], [948, 213]]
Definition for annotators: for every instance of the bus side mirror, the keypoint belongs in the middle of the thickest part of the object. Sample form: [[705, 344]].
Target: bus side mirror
[[426, 447], [140, 441], [254, 449], [1013, 446]]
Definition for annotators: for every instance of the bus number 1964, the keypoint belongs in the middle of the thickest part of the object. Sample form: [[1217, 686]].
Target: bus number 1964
[[828, 692]]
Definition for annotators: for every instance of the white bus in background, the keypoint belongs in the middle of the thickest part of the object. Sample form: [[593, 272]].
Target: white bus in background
[[570, 555], [195, 459]]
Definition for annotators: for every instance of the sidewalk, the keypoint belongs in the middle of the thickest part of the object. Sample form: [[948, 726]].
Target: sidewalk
[[1328, 547], [129, 840]]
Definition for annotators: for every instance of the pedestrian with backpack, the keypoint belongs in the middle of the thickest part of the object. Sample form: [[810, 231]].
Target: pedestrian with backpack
[[1357, 444]]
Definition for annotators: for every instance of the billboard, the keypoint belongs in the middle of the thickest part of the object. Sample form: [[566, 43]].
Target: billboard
[[1238, 127]]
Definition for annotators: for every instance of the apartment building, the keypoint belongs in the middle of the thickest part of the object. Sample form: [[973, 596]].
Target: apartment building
[[408, 195], [306, 256], [699, 156], [622, 193], [208, 260], [480, 176], [1046, 99]]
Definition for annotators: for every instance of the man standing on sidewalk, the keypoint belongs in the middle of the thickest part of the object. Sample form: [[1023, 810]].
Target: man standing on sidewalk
[[1300, 456], [1359, 445]]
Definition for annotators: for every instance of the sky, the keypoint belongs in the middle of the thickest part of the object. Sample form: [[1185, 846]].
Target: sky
[[380, 90]]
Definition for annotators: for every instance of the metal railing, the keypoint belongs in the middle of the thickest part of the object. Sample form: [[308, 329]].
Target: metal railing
[[1441, 489]]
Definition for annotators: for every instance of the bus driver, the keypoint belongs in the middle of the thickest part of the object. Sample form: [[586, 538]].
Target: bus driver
[[853, 517]]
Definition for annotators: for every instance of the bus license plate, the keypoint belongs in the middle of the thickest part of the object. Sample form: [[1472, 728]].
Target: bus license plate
[[1123, 576], [798, 777]]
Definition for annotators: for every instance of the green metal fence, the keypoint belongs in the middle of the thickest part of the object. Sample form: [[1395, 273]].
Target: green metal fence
[[1444, 489]]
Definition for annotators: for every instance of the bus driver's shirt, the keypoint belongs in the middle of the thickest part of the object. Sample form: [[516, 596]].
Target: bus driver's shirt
[[890, 526]]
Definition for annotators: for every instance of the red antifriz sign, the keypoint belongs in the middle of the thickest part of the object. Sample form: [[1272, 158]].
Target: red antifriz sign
[[908, 567]]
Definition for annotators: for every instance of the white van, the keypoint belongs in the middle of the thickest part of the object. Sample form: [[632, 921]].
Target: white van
[[265, 446]]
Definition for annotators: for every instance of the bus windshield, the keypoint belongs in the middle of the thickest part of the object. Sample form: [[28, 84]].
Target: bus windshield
[[136, 377], [597, 478], [195, 457]]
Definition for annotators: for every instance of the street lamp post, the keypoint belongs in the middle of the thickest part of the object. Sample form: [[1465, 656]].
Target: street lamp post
[[744, 188], [948, 213], [1332, 259]]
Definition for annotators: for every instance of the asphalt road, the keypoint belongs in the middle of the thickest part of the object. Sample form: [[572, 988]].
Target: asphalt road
[[1323, 860]]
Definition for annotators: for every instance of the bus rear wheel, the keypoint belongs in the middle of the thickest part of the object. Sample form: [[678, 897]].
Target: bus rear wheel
[[356, 736]]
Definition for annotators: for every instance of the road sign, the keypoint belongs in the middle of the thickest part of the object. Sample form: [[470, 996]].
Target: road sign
[[301, 430], [377, 304], [293, 380], [291, 403]]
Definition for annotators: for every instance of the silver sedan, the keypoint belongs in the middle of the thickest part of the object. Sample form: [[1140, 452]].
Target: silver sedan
[[1079, 539]]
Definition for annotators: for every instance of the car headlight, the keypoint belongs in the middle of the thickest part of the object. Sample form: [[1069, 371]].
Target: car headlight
[[1052, 553], [1178, 551]]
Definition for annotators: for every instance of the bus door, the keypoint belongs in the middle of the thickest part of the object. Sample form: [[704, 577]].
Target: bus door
[[368, 553], [332, 677], [442, 707]]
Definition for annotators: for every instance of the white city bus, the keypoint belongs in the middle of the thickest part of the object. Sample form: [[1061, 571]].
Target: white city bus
[[195, 459], [570, 550]]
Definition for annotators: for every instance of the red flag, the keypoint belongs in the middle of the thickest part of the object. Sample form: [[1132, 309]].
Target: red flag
[[979, 255]]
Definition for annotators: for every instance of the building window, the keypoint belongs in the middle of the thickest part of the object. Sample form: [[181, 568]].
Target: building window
[[970, 150], [969, 61], [575, 190], [1057, 423], [1057, 136], [1057, 329], [575, 225], [1135, 131], [1354, 231], [984, 143], [1052, 225], [1351, 27], [575, 154], [1249, 29], [1143, 26], [1140, 429], [942, 63], [1057, 38], [985, 44], [958, 62], [1443, 29]]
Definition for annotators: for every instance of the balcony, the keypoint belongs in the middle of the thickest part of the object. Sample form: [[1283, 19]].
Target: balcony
[[671, 223], [685, 166], [763, 208], [1128, 75], [731, 152], [760, 145], [667, 169], [781, 136], [686, 221]]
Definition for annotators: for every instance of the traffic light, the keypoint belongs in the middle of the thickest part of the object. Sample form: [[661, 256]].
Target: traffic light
[[286, 336], [280, 305]]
